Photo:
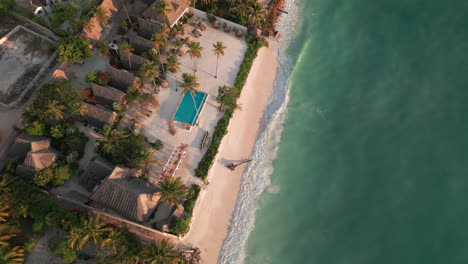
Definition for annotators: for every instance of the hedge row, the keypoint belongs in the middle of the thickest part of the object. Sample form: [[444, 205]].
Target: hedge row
[[221, 127]]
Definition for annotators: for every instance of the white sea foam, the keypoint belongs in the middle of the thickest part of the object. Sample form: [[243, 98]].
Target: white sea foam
[[257, 176]]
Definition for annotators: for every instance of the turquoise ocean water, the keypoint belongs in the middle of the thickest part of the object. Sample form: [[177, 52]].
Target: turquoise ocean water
[[372, 166]]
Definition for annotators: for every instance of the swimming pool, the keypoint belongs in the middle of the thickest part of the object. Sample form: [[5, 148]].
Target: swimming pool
[[187, 112]]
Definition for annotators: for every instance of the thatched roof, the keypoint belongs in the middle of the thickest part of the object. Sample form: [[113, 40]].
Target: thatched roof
[[140, 44], [178, 211], [99, 116], [25, 143], [135, 62], [40, 160], [107, 95], [112, 7], [24, 171], [177, 9], [121, 79], [95, 173], [126, 195], [146, 29]]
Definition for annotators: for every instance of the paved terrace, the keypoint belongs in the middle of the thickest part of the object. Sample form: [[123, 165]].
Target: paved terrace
[[156, 126]]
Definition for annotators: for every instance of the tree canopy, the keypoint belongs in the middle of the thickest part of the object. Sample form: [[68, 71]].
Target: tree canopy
[[74, 49]]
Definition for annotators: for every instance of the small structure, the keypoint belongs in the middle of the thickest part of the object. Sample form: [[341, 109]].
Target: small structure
[[196, 32], [121, 79], [106, 95], [215, 24], [146, 28], [124, 194], [62, 75], [140, 44], [95, 173], [164, 84], [239, 32], [227, 27], [181, 51], [99, 116], [132, 62], [97, 30], [39, 156], [202, 25], [188, 40], [177, 8]]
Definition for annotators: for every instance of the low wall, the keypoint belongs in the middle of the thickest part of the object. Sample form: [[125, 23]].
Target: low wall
[[202, 15], [39, 27]]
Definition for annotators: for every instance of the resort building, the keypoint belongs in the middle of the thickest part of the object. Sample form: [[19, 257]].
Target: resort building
[[140, 44], [177, 8], [35, 153], [106, 96], [121, 79], [99, 116], [133, 62], [126, 195], [95, 173], [98, 31]]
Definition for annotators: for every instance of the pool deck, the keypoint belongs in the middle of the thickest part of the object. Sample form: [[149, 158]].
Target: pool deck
[[157, 125]]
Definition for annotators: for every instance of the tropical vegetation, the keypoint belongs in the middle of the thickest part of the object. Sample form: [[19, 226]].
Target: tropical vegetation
[[74, 49]]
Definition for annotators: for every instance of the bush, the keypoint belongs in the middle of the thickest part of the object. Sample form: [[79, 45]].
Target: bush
[[157, 145], [43, 177], [181, 226], [57, 131], [211, 18], [36, 128], [98, 77], [61, 174], [5, 6], [74, 49], [221, 127], [191, 198], [64, 251]]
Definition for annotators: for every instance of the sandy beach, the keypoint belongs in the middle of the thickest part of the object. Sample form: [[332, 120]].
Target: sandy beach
[[213, 214]]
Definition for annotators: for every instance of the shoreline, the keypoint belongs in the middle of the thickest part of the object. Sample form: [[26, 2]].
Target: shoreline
[[213, 214]]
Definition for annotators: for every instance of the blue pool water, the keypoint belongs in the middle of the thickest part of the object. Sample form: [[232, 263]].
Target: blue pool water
[[187, 112]]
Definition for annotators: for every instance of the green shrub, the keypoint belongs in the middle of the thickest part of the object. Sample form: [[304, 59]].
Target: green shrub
[[43, 177], [57, 131], [64, 251], [211, 18], [36, 128], [98, 77], [221, 127], [191, 198], [5, 7], [61, 174], [74, 49], [181, 226], [157, 145]]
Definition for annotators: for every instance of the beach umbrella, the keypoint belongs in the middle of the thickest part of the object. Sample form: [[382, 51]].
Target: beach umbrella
[[188, 40], [164, 84], [196, 32], [216, 24], [180, 51], [202, 25], [239, 32], [227, 27]]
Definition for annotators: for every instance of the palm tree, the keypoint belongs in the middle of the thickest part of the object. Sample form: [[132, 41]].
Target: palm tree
[[189, 84], [148, 160], [148, 72], [173, 63], [11, 255], [195, 53], [256, 14], [114, 240], [162, 252], [243, 9], [103, 48], [163, 10], [125, 9], [164, 32], [92, 230], [158, 43], [111, 140], [172, 191], [127, 49], [218, 51], [80, 109], [54, 110], [102, 16]]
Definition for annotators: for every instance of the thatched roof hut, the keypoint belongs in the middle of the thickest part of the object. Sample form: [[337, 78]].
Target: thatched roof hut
[[146, 29], [239, 32], [95, 173], [164, 84], [227, 27], [106, 95], [40, 156], [178, 211], [188, 40], [181, 51], [40, 160], [126, 195], [97, 30], [99, 116], [135, 62], [140, 44], [121, 79], [25, 143], [215, 24], [177, 8], [196, 32]]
